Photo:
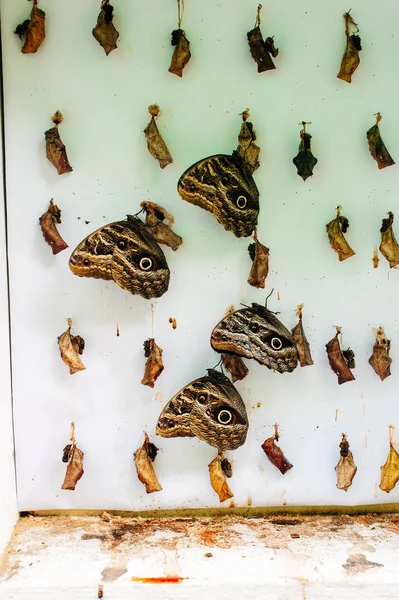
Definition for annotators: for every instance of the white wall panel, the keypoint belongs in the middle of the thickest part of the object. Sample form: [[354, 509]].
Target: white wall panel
[[104, 101]]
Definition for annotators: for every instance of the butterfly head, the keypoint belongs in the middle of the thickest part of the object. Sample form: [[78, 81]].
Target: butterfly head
[[222, 185]]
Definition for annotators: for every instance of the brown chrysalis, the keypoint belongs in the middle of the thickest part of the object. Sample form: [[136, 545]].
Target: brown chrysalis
[[154, 365], [233, 363], [33, 29], [155, 143], [71, 346], [346, 468], [275, 454], [304, 160], [181, 54], [336, 229], [389, 246], [390, 470], [301, 343], [219, 469], [380, 359], [247, 149], [350, 60], [105, 32], [55, 149], [74, 457], [341, 362], [159, 222], [261, 50], [143, 459], [259, 255], [377, 147], [49, 228]]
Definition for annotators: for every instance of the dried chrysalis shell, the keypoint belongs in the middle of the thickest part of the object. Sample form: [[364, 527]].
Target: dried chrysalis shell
[[390, 470], [301, 343], [154, 365], [275, 454], [304, 160], [159, 222], [105, 32], [235, 365], [340, 363], [350, 60], [261, 50], [181, 54], [33, 29], [389, 246], [74, 457], [259, 255], [155, 143], [380, 359], [336, 229], [219, 468], [247, 149], [49, 229], [377, 147], [143, 459], [346, 468], [71, 346], [55, 148]]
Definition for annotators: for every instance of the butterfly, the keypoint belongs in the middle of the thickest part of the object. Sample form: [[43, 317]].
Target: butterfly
[[255, 332], [126, 252], [222, 185], [209, 408]]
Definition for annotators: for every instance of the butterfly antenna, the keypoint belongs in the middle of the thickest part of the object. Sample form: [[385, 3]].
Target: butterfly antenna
[[268, 296], [219, 363]]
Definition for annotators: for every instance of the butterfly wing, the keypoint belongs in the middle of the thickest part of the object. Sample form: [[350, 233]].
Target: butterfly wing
[[256, 333], [209, 408], [222, 185], [126, 252]]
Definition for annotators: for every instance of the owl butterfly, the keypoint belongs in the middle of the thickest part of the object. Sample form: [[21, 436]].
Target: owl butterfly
[[222, 185], [209, 408], [255, 332], [125, 252]]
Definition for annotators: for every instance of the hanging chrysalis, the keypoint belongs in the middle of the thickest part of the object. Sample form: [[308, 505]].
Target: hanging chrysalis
[[71, 346], [33, 29], [154, 365], [390, 470], [49, 228], [389, 246], [301, 343], [247, 149], [105, 32], [74, 457], [262, 51], [55, 148], [219, 469], [346, 468], [155, 143], [341, 361], [181, 54], [380, 359], [304, 160], [233, 363], [160, 222], [377, 147], [336, 229], [350, 60], [143, 459], [275, 454], [259, 255]]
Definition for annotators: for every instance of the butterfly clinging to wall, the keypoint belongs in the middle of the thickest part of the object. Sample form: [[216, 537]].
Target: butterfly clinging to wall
[[126, 252], [222, 185], [255, 332], [209, 408]]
